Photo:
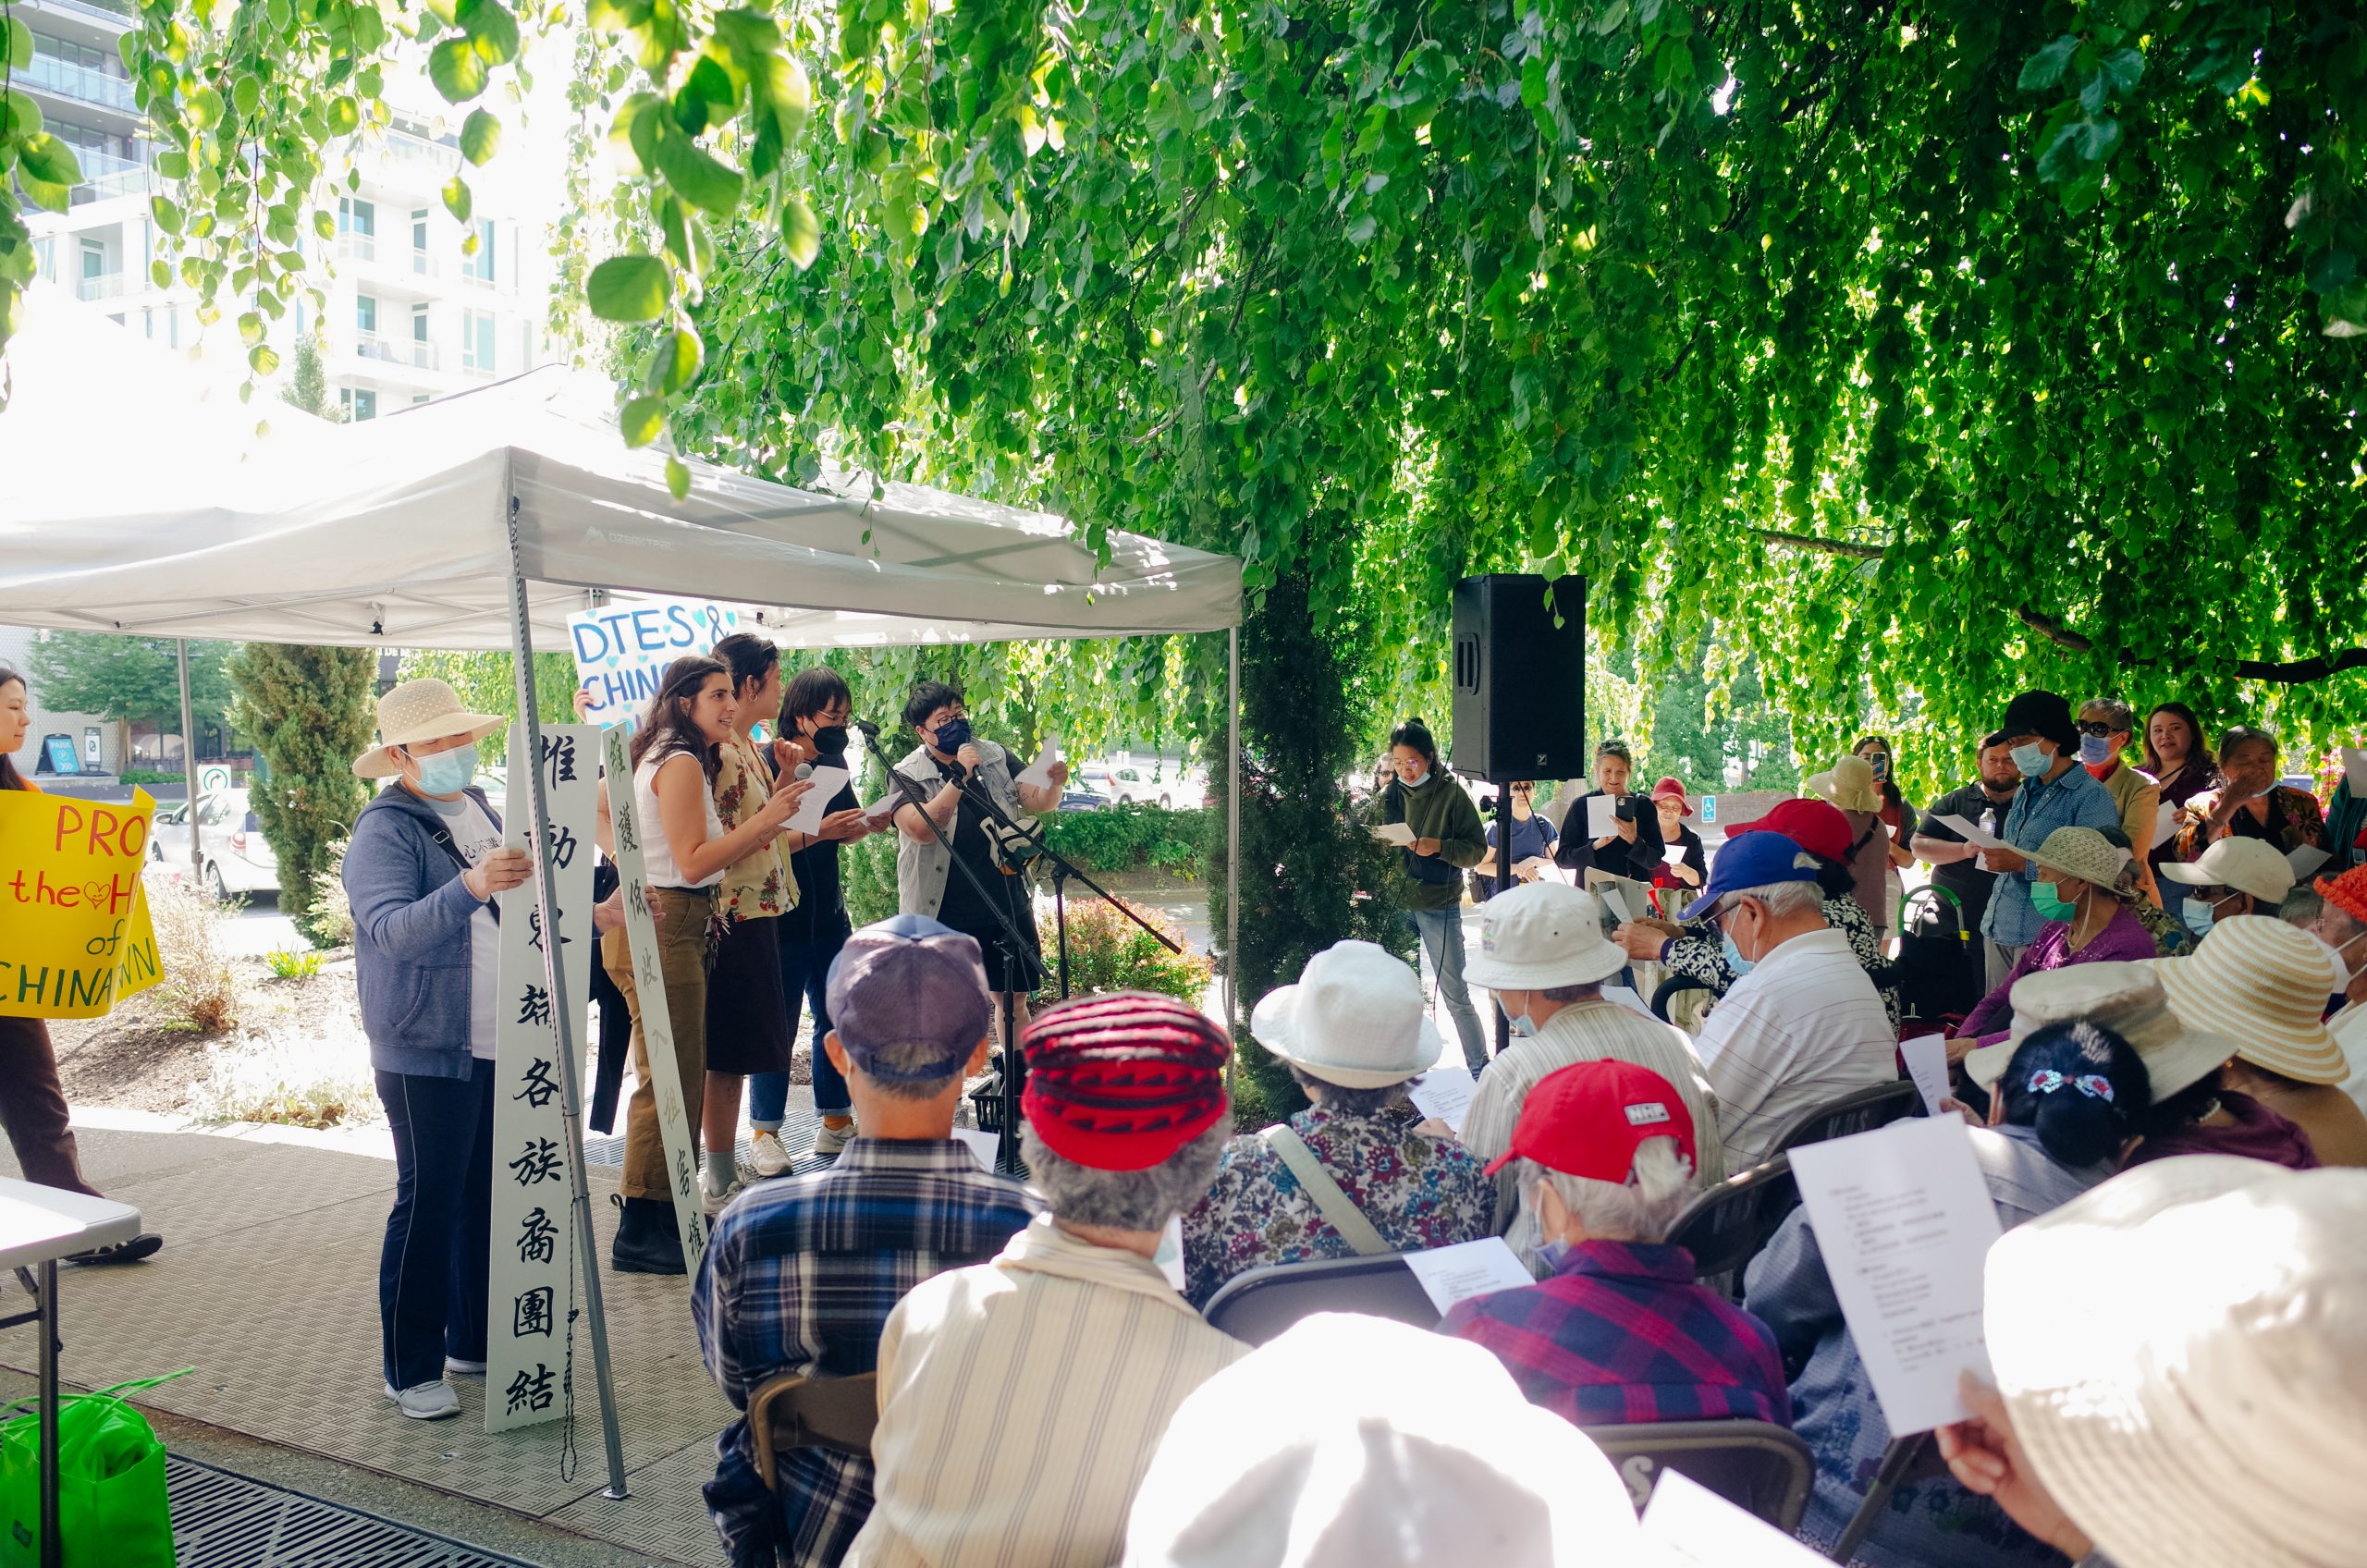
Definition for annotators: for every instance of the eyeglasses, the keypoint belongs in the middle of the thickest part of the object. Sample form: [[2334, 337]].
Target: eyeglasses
[[1523, 788], [2095, 727]]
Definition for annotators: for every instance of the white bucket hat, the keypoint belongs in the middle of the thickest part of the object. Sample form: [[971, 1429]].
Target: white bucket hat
[[1355, 1019], [2127, 998], [1848, 784], [1541, 935], [2085, 853], [2264, 983], [415, 711], [2249, 865], [2183, 1353], [1358, 1443]]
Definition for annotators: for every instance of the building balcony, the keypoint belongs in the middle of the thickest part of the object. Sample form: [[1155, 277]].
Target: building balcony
[[79, 84], [109, 285], [395, 351], [353, 247]]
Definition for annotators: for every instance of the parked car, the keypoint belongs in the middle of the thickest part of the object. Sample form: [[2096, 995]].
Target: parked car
[[1077, 798], [235, 857], [1157, 783]]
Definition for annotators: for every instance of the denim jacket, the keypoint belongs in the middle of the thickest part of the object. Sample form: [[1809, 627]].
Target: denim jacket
[[411, 935]]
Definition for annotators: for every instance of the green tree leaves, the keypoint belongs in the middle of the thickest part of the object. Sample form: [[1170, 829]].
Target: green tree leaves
[[629, 289]]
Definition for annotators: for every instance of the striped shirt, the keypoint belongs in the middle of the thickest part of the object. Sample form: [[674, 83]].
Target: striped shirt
[[1020, 1403], [1799, 1031], [799, 1276], [1587, 1031], [2040, 806]]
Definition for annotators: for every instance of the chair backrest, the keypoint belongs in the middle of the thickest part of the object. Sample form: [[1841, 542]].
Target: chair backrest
[[1860, 1110], [1257, 1305], [1764, 1469], [788, 1411], [1725, 1226]]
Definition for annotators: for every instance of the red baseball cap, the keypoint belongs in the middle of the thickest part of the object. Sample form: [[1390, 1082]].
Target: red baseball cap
[[1588, 1119], [1817, 827]]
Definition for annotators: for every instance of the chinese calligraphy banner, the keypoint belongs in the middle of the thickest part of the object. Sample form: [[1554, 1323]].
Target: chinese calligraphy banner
[[621, 650], [74, 932], [532, 1286], [674, 1127]]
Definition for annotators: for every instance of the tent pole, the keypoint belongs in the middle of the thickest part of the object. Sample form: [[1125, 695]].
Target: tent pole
[[189, 765], [587, 1243], [1233, 833]]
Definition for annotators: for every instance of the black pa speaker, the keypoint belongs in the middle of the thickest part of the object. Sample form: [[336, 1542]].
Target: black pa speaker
[[1520, 677]]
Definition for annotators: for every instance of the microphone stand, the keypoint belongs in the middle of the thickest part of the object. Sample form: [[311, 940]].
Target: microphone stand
[[1014, 948], [1062, 869]]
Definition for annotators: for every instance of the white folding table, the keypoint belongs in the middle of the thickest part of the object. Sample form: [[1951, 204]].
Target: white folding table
[[38, 1226]]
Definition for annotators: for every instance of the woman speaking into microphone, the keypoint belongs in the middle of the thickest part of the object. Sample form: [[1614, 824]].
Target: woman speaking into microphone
[[928, 882]]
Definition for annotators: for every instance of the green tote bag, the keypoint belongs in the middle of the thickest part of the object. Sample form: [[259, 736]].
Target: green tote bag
[[111, 1507]]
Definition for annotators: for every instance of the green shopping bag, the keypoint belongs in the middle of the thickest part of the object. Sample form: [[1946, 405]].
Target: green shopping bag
[[111, 1506]]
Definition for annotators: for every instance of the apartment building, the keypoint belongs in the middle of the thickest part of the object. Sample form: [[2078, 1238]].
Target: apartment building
[[408, 315]]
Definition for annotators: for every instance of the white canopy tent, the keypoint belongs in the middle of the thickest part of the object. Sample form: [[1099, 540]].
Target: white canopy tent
[[483, 521]]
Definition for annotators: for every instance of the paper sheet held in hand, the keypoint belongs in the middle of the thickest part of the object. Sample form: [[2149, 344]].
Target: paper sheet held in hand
[[827, 782], [1395, 833], [2305, 859], [1971, 833], [884, 807], [1625, 997], [2166, 825], [1927, 1063], [1672, 854], [1694, 1527], [1602, 815], [984, 1146], [1904, 1221], [1443, 1093], [1040, 776], [1467, 1270]]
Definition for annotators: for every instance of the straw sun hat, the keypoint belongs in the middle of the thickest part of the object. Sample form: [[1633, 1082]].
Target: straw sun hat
[[2127, 998], [2183, 1352], [417, 711], [2262, 982], [2085, 853], [1848, 784]]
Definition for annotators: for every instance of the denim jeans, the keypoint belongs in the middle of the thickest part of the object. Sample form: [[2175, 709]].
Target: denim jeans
[[805, 954], [432, 1268], [1441, 934]]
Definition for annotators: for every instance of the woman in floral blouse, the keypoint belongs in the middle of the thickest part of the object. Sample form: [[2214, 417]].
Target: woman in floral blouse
[[747, 1009], [2250, 802], [1341, 1177]]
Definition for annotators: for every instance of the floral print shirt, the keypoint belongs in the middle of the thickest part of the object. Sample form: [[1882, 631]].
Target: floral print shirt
[[758, 884], [1418, 1192], [2294, 821]]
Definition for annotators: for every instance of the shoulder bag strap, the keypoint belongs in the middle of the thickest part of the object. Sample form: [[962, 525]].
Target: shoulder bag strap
[[1337, 1208]]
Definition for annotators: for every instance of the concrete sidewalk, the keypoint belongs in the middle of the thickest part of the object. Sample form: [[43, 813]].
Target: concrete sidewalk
[[267, 1286]]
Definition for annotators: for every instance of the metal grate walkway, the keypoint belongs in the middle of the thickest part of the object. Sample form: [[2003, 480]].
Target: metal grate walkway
[[221, 1520]]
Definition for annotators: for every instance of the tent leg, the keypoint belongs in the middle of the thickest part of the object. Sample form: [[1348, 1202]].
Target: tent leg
[[571, 1097], [189, 765], [1233, 833]]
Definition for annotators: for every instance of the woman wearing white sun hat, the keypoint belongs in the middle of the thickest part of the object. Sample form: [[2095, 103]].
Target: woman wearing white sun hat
[[1341, 1177], [2232, 876], [2181, 1365]]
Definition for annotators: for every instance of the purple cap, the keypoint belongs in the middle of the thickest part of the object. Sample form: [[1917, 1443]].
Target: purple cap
[[913, 987]]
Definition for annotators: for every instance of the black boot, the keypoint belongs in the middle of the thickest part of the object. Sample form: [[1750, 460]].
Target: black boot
[[648, 1242]]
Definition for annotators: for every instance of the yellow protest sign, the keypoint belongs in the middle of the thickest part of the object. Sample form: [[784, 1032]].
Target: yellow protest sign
[[74, 932]]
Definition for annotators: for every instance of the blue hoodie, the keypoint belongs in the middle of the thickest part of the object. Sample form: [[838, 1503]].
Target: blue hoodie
[[411, 935]]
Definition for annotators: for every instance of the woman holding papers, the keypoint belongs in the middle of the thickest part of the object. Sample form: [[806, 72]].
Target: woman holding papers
[[678, 755], [1439, 835], [1691, 868], [2088, 901], [1533, 839], [1610, 828], [2070, 1099]]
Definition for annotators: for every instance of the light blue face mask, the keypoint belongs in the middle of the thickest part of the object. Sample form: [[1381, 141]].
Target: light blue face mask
[[1520, 1022], [2198, 913], [2096, 749], [2032, 760], [448, 773], [1553, 1254], [1734, 960]]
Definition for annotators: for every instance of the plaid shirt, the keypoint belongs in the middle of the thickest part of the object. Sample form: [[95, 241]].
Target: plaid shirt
[[1621, 1334], [800, 1276], [2040, 807]]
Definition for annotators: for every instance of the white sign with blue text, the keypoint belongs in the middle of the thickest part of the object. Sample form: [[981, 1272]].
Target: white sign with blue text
[[621, 650]]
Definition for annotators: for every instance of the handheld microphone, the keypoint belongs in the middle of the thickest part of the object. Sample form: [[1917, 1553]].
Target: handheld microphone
[[802, 770]]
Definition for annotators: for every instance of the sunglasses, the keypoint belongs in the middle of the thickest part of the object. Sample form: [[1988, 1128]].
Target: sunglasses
[[2095, 727]]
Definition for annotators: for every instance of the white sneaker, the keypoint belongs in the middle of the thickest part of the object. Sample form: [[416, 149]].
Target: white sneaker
[[428, 1401], [455, 1366], [714, 1201], [831, 1142], [771, 1159]]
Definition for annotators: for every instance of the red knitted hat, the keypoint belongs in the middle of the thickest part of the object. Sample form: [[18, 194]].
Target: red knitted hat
[[1817, 827], [2347, 892], [1119, 1083]]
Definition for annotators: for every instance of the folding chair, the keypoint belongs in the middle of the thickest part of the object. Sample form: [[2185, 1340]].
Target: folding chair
[[1725, 1227], [1911, 1458], [1861, 1110], [1764, 1469], [788, 1411], [1258, 1304]]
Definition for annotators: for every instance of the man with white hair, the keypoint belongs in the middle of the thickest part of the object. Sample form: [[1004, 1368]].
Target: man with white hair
[[1620, 1332], [1803, 1025]]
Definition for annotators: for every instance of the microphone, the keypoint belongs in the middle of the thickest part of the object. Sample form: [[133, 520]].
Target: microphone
[[802, 770], [869, 730]]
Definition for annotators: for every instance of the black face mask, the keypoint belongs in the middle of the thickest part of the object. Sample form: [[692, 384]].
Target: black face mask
[[830, 739]]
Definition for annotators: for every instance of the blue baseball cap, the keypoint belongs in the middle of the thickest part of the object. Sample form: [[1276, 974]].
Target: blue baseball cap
[[913, 985], [1753, 859]]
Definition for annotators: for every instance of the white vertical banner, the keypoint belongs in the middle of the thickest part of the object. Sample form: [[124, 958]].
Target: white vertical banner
[[649, 986], [531, 1288]]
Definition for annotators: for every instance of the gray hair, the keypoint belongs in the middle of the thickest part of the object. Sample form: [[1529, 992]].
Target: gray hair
[[1347, 1101], [2302, 906], [899, 1058], [1784, 899], [1639, 1209], [1124, 1200], [2110, 710], [1566, 994]]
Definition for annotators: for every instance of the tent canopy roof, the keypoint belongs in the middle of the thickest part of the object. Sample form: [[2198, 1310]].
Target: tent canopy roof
[[394, 531]]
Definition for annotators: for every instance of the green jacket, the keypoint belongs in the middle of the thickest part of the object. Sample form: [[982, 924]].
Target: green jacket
[[1439, 810]]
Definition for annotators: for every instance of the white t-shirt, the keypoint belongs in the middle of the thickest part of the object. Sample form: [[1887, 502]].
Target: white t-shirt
[[476, 837]]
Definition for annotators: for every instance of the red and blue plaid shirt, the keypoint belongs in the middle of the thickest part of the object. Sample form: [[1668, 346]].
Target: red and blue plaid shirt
[[1622, 1334]]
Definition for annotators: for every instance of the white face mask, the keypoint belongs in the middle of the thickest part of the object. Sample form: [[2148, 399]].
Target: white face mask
[[2342, 970]]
